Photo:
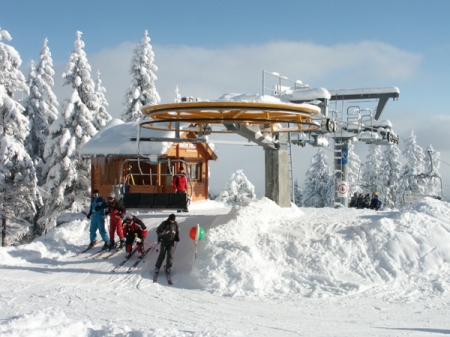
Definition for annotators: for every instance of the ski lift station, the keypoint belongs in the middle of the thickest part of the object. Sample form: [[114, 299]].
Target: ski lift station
[[286, 113]]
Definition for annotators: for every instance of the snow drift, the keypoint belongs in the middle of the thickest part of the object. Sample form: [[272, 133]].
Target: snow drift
[[262, 250]]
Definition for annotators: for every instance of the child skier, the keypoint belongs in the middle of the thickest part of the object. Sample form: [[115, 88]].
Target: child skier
[[134, 230], [116, 212]]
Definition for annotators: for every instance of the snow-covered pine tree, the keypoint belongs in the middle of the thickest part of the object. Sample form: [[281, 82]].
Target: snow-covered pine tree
[[354, 169], [18, 184], [432, 165], [40, 108], [78, 76], [239, 189], [389, 179], [372, 170], [101, 117], [298, 194], [142, 90], [319, 183], [68, 183], [411, 181]]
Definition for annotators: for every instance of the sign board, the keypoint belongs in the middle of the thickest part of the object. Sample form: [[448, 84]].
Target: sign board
[[344, 153], [342, 188]]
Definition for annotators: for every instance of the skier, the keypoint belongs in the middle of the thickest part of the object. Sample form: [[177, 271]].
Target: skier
[[375, 203], [97, 212], [353, 200], [367, 201], [360, 201], [168, 233], [116, 212], [134, 230]]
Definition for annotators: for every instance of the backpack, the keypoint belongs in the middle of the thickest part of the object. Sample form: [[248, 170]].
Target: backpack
[[169, 231]]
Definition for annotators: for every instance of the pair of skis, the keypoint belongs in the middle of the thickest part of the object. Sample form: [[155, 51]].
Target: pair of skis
[[113, 253], [169, 278], [134, 265], [88, 248]]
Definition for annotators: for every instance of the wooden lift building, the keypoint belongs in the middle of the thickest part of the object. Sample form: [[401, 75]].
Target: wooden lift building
[[146, 182]]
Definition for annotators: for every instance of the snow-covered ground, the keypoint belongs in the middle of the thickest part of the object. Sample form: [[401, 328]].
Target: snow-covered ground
[[261, 271]]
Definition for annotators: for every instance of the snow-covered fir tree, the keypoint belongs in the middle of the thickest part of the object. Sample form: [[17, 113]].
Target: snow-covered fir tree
[[390, 177], [18, 184], [68, 181], [432, 165], [372, 169], [298, 194], [142, 90], [40, 107], [78, 76], [319, 183], [412, 182], [354, 169], [239, 189], [176, 95], [101, 117]]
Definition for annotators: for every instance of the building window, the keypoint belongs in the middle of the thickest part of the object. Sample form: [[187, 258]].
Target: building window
[[196, 171]]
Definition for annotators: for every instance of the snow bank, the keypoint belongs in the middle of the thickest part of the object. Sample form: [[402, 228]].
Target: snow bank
[[262, 250]]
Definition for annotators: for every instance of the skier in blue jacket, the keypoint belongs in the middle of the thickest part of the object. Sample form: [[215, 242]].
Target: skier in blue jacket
[[97, 216], [375, 203]]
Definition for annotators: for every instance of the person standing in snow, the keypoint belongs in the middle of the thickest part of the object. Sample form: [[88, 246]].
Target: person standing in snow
[[375, 203], [168, 233], [116, 212], [360, 201], [134, 229], [97, 216], [367, 201], [180, 183], [353, 200]]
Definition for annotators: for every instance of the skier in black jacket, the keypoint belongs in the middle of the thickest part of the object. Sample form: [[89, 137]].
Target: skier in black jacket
[[168, 233]]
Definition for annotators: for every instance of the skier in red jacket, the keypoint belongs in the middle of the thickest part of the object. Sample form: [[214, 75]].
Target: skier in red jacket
[[116, 212], [134, 230]]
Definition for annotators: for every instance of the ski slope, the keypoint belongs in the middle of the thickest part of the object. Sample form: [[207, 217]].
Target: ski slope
[[261, 271]]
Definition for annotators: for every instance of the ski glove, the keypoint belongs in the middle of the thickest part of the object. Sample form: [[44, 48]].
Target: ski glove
[[138, 240], [177, 239], [159, 239], [88, 216]]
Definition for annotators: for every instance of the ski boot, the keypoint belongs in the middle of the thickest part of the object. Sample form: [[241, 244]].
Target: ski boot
[[122, 244], [156, 271], [111, 245], [93, 243], [168, 271]]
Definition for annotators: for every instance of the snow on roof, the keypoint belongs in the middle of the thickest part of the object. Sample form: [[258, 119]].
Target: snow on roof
[[114, 139], [302, 94], [235, 97], [364, 91]]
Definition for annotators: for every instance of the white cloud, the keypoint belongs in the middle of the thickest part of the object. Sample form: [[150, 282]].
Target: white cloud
[[209, 73]]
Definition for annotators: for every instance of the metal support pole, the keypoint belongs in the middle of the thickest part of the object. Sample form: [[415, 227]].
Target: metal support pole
[[341, 171]]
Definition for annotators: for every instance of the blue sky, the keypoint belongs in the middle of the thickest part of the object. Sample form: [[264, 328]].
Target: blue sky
[[209, 48]]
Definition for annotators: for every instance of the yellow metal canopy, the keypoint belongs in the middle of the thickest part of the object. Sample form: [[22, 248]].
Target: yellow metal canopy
[[211, 116]]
